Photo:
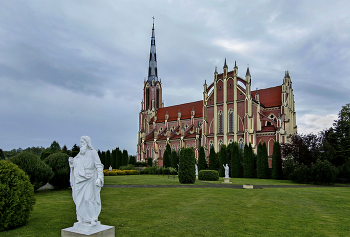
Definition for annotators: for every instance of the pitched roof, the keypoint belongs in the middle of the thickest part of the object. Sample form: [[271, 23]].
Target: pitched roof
[[270, 97], [185, 110]]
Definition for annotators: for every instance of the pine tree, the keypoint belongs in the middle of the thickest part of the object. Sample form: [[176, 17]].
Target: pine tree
[[103, 160], [108, 159], [248, 161], [262, 162], [174, 159], [125, 158], [223, 159], [166, 156], [119, 158], [277, 161], [202, 163], [187, 173], [236, 165], [114, 158], [212, 159]]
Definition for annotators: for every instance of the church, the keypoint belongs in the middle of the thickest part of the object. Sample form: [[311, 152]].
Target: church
[[229, 111]]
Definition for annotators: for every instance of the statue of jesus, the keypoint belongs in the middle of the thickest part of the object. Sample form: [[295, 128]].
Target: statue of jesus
[[86, 180]]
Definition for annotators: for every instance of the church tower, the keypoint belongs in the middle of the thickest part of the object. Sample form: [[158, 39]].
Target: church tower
[[152, 91]]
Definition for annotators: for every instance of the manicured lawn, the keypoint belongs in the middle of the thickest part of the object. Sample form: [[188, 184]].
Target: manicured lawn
[[201, 212]]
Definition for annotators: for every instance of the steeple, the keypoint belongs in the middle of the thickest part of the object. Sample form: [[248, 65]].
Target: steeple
[[152, 69]]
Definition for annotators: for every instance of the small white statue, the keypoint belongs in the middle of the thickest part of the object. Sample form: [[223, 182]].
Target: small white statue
[[86, 180], [196, 169], [226, 171]]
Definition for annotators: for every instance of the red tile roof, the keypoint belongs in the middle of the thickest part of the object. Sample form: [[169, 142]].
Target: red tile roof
[[270, 97], [185, 110]]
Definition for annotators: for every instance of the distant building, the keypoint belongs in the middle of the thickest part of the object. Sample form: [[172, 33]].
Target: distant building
[[230, 111]]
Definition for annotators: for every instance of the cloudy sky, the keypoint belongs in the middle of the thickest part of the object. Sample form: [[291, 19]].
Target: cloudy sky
[[73, 68]]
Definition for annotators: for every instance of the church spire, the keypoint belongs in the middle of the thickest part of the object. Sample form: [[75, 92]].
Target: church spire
[[152, 69]]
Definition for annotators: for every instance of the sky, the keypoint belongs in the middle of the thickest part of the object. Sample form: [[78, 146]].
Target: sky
[[70, 68]]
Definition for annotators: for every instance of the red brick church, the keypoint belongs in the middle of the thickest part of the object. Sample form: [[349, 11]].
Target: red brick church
[[229, 111]]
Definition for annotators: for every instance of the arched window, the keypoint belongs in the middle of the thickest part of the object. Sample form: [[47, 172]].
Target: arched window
[[147, 153], [220, 123], [231, 140], [211, 144], [160, 151], [230, 121], [147, 98]]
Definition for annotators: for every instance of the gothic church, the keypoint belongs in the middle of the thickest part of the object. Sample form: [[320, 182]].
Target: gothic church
[[230, 111]]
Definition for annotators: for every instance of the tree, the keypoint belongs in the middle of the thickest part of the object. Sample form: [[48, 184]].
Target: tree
[[342, 134], [103, 159], [202, 163], [236, 166], [75, 150], [54, 147], [166, 156], [119, 158], [262, 162], [187, 173], [174, 159], [248, 162], [132, 160], [212, 159], [125, 158], [277, 161], [114, 158], [223, 158], [108, 159]]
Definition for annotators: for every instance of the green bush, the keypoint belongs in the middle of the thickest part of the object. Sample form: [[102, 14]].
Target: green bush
[[127, 167], [149, 162], [302, 174], [187, 173], [209, 175], [323, 172], [16, 198], [288, 168], [141, 164], [38, 171], [60, 167], [276, 172], [45, 154]]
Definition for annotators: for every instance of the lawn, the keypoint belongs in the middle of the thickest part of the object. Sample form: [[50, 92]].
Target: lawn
[[199, 211]]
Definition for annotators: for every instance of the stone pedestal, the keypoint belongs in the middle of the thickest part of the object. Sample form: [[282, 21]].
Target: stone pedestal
[[79, 229], [227, 180]]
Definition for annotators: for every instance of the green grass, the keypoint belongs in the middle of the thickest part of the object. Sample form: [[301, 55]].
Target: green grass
[[242, 181], [200, 211]]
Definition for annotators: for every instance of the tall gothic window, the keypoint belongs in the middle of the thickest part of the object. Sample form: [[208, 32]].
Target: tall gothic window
[[220, 144], [220, 125], [241, 143], [230, 121], [149, 71], [158, 103], [147, 98], [211, 144]]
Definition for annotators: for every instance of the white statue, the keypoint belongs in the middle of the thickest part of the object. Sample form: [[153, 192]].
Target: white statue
[[226, 171], [86, 180], [196, 169]]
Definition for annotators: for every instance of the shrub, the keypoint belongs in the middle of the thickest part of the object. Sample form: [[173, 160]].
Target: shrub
[[149, 162], [132, 160], [248, 162], [223, 159], [302, 174], [202, 163], [288, 168], [45, 154], [344, 172], [127, 167], [17, 196], [187, 166], [172, 171], [262, 164], [141, 164], [212, 159], [323, 172], [60, 167], [236, 166], [276, 172], [173, 159], [38, 171], [132, 172], [209, 175]]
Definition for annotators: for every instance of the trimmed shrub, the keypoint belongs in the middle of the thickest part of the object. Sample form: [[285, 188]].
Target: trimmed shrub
[[302, 174], [277, 162], [60, 167], [17, 196], [248, 161], [323, 172], [38, 171], [173, 159], [149, 162], [236, 166], [125, 158], [212, 159], [288, 168], [187, 173], [141, 164], [209, 175], [128, 167], [202, 163], [262, 165], [223, 158], [132, 160]]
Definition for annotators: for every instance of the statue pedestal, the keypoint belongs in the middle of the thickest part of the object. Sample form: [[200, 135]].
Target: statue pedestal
[[227, 180], [79, 229]]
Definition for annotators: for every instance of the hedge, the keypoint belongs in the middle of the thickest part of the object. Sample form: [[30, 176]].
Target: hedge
[[60, 167], [209, 175]]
